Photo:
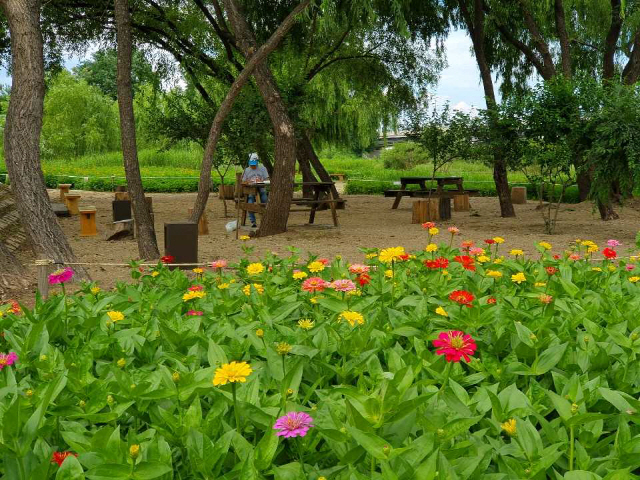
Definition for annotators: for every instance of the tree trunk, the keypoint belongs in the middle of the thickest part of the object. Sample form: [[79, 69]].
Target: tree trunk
[[584, 185], [22, 133], [502, 187], [147, 243], [8, 262], [606, 211], [204, 185], [611, 41], [561, 28], [305, 169], [276, 214], [316, 163]]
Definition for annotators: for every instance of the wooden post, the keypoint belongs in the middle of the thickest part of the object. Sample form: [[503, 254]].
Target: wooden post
[[444, 208], [203, 225], [519, 195], [88, 222], [461, 203], [72, 200], [64, 189], [43, 266]]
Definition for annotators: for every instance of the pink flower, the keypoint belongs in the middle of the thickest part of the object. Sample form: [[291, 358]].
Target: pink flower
[[613, 243], [343, 285], [358, 268], [476, 251], [314, 284], [629, 266], [8, 359], [454, 230], [194, 313], [219, 264], [61, 276], [293, 424], [455, 345]]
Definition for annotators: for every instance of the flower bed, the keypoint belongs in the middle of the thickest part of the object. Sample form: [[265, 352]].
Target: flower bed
[[470, 363]]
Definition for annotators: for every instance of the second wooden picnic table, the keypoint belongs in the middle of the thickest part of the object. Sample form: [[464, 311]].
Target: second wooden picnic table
[[422, 182]]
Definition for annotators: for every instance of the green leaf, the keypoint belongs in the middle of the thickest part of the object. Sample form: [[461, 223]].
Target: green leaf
[[70, 470], [549, 359], [216, 355], [458, 426], [150, 470], [109, 471], [266, 449], [373, 444]]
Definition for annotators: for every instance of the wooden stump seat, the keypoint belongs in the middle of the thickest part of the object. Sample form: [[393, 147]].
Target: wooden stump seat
[[88, 221], [72, 200], [461, 203], [64, 189], [519, 195]]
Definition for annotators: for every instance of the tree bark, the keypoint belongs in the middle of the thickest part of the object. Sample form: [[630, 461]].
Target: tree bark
[[147, 243], [538, 40], [563, 36], [22, 133], [310, 152], [8, 262], [276, 214], [631, 70], [611, 42], [305, 169], [584, 185], [204, 186]]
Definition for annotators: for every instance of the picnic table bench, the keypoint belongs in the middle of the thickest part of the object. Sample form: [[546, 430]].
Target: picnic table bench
[[426, 192], [338, 176]]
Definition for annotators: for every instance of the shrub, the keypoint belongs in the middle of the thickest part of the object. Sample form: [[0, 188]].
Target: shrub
[[404, 156]]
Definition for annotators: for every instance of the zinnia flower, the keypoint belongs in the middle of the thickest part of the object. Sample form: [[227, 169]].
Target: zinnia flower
[[551, 270], [314, 284], [489, 241], [255, 268], [629, 267], [195, 288], [244, 238], [115, 316], [432, 247], [342, 285], [491, 301], [453, 230], [545, 245], [198, 270], [191, 295], [324, 261], [455, 345], [467, 244], [439, 262], [352, 317], [428, 225], [546, 299], [231, 373], [613, 243], [389, 255], [168, 259], [283, 348], [609, 253], [518, 278], [293, 424], [498, 240], [59, 457], [494, 273], [315, 267], [466, 261], [462, 297], [509, 427], [476, 251], [442, 311], [95, 290], [194, 313], [434, 231], [364, 279], [306, 324], [219, 264], [8, 359], [299, 275], [483, 259], [61, 276], [634, 279], [516, 252], [256, 287], [358, 268]]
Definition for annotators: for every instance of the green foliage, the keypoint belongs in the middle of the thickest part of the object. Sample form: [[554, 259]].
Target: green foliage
[[550, 391], [404, 156]]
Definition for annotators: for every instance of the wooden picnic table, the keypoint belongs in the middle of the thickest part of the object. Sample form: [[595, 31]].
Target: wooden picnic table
[[422, 182], [322, 195]]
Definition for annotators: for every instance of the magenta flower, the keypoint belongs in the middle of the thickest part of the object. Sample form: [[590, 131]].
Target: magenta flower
[[629, 266], [613, 243], [343, 285], [219, 264], [293, 424], [194, 313], [8, 359], [61, 276]]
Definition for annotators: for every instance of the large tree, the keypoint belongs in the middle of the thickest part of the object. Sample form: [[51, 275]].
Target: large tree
[[146, 234]]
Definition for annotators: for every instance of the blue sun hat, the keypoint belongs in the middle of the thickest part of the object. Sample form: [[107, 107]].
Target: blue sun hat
[[253, 159]]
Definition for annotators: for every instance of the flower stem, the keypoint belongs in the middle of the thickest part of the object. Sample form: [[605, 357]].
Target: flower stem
[[447, 372], [571, 447], [235, 408], [301, 455]]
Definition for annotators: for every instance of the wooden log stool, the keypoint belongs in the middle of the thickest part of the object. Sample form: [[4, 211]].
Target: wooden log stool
[[121, 229], [444, 208], [426, 210], [519, 195], [88, 222], [203, 225], [461, 203], [72, 199], [121, 193], [225, 192], [64, 189], [181, 242]]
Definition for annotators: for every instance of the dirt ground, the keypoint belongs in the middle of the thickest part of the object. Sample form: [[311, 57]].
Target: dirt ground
[[368, 221]]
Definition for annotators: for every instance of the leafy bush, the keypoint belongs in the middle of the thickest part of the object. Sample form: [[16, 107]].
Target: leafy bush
[[404, 156], [137, 381]]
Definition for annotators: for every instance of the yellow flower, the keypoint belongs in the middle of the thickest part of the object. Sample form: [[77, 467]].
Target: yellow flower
[[483, 259], [255, 268], [389, 255], [352, 317], [299, 275], [596, 269], [592, 248], [191, 295], [371, 255], [498, 261], [115, 316], [95, 290], [306, 324], [322, 478], [545, 245], [355, 293], [510, 427], [283, 348], [441, 311], [540, 284], [388, 273], [259, 333], [231, 373], [244, 238], [445, 272], [198, 270], [432, 247], [315, 267], [585, 243], [256, 286], [634, 279], [494, 274], [515, 252], [223, 286], [498, 240], [122, 362], [155, 274], [518, 278], [612, 268], [314, 300], [134, 451], [290, 391], [434, 231], [175, 377]]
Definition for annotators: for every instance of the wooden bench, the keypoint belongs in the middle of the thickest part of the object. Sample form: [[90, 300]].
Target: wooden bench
[[404, 193], [338, 176]]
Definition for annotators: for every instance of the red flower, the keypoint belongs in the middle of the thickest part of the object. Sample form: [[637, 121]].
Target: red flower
[[462, 297], [455, 345], [404, 257], [314, 284], [556, 257], [195, 313], [467, 244], [428, 225], [609, 253], [59, 457], [323, 261], [491, 301], [490, 241], [364, 279], [466, 261], [439, 262], [196, 288], [551, 270], [168, 259]]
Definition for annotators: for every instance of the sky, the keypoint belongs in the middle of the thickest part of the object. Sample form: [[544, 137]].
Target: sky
[[459, 82]]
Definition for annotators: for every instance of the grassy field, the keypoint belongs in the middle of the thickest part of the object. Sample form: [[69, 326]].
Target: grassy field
[[178, 170]]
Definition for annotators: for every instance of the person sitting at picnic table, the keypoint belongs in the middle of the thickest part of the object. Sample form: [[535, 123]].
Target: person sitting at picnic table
[[255, 173]]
